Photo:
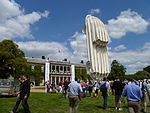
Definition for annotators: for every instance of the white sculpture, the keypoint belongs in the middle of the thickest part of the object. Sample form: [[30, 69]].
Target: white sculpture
[[97, 40]]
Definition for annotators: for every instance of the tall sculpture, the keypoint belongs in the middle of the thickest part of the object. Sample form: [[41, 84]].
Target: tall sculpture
[[97, 40]]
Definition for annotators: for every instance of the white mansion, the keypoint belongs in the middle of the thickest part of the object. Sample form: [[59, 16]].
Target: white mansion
[[58, 70]]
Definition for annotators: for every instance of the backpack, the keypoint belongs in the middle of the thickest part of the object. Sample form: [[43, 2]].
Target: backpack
[[103, 88], [144, 88]]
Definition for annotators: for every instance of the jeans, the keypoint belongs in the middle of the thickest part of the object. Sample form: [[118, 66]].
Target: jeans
[[25, 106], [16, 105], [105, 95]]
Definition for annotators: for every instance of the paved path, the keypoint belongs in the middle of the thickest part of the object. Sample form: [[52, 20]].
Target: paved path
[[38, 89]]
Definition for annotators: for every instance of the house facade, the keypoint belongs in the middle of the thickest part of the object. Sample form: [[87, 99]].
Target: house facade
[[58, 70]]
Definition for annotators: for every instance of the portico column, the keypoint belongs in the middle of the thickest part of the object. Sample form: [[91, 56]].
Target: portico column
[[55, 80], [51, 80], [59, 69], [59, 79], [51, 68], [72, 72]]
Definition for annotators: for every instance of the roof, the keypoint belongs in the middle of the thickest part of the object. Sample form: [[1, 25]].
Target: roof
[[43, 61]]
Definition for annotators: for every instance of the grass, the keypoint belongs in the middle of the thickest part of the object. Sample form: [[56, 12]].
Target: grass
[[55, 103]]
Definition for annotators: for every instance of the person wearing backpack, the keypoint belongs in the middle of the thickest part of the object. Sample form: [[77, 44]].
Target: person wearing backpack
[[104, 89], [148, 85], [145, 98]]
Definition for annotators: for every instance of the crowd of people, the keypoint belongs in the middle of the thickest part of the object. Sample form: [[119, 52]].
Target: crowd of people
[[136, 92]]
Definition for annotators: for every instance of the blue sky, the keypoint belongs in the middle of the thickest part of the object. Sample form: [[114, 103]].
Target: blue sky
[[53, 28]]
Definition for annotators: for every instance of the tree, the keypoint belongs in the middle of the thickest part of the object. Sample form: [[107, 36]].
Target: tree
[[12, 61], [82, 73], [141, 75], [117, 69], [147, 69], [37, 73]]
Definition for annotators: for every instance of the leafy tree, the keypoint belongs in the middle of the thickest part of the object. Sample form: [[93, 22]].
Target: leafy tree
[[37, 74], [12, 61], [138, 75], [147, 69], [141, 75], [117, 69], [127, 76], [82, 73]]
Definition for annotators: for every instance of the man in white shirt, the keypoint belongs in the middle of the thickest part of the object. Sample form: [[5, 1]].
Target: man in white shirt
[[74, 89]]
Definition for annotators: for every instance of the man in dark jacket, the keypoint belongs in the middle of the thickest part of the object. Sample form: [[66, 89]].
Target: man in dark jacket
[[23, 95]]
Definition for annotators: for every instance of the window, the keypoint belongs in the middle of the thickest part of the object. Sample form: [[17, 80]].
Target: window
[[61, 69], [53, 68], [57, 69], [68, 69], [32, 67], [65, 69], [42, 68]]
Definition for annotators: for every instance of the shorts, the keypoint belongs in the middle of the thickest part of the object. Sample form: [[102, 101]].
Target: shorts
[[96, 91], [117, 98], [133, 107], [145, 97], [73, 101]]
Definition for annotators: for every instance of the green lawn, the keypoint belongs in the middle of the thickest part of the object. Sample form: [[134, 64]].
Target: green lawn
[[55, 103]]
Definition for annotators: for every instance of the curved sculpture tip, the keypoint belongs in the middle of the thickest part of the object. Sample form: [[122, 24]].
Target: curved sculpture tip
[[84, 29]]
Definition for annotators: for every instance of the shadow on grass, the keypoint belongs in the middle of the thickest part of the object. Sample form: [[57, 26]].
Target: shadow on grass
[[101, 107], [20, 111]]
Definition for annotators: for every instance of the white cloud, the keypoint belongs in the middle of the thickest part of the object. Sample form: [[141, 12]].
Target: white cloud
[[146, 46], [8, 9], [120, 47], [133, 60], [94, 11], [52, 50], [57, 51], [127, 21], [14, 22], [78, 44]]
